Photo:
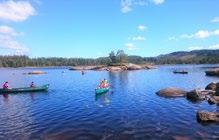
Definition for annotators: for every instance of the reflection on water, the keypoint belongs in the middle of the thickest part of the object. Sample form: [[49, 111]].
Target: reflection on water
[[130, 110]]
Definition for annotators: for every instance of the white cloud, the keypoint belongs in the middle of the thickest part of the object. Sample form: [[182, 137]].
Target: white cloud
[[201, 34], [216, 32], [142, 27], [8, 40], [214, 20], [172, 38], [138, 38], [16, 11], [131, 46], [127, 5], [195, 48], [157, 2], [216, 46], [9, 31]]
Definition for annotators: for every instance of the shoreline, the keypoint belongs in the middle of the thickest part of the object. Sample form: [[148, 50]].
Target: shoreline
[[67, 67]]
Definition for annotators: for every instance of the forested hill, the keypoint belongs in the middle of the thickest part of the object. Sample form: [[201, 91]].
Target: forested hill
[[192, 57], [192, 53], [182, 57]]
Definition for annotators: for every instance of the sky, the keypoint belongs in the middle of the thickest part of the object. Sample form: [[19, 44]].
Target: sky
[[94, 28]]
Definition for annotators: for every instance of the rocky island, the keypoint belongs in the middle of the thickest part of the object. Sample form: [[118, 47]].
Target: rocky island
[[114, 67]]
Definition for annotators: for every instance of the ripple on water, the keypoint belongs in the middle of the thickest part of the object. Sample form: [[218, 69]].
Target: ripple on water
[[131, 110]]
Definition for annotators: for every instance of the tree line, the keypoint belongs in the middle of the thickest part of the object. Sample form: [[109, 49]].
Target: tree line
[[114, 58]]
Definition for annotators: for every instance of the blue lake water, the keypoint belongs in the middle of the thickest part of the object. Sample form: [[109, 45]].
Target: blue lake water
[[130, 110]]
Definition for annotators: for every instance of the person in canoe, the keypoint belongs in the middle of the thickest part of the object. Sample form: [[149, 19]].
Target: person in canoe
[[104, 84], [32, 85], [5, 85]]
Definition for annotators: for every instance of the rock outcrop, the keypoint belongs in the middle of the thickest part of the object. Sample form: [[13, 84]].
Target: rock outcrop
[[133, 67], [204, 116], [213, 100], [211, 86], [213, 72], [198, 94], [116, 67], [171, 92]]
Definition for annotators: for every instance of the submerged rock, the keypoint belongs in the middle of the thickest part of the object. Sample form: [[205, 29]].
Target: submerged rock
[[213, 100], [213, 72], [171, 92], [204, 116]]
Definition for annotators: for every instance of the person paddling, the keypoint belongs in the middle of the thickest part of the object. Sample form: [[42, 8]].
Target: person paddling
[[104, 83], [32, 85], [5, 85]]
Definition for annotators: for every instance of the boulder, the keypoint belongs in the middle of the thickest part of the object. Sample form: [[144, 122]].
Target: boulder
[[213, 72], [114, 69], [213, 100], [211, 86], [133, 67], [171, 92], [204, 116], [217, 89], [198, 94]]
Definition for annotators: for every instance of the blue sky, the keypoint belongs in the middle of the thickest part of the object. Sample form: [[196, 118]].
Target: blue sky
[[82, 28]]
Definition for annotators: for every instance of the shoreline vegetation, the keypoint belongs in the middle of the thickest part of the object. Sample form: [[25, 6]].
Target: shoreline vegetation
[[120, 57]]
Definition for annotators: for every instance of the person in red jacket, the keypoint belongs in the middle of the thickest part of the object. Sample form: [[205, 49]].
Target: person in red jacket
[[5, 85]]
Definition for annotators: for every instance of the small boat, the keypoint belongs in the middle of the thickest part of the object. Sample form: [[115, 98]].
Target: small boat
[[25, 89], [180, 72], [101, 90]]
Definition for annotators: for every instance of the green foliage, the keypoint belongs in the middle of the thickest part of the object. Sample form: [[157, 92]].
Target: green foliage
[[193, 57], [121, 57], [112, 57]]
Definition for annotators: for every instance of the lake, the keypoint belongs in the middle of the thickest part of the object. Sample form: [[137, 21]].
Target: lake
[[130, 110]]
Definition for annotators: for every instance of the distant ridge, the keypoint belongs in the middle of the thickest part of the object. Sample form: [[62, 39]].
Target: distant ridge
[[193, 53], [187, 57]]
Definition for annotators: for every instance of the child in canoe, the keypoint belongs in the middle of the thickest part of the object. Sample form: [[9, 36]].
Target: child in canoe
[[32, 85]]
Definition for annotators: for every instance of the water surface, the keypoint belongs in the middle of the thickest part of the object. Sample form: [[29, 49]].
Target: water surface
[[131, 110]]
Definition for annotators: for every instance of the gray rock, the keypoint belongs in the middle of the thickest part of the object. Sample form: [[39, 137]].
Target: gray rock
[[133, 67], [198, 94], [213, 72], [213, 100], [211, 86], [217, 89], [171, 92], [204, 116]]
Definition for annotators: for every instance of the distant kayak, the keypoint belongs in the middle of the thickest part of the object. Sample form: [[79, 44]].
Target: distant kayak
[[101, 90], [180, 72], [25, 89]]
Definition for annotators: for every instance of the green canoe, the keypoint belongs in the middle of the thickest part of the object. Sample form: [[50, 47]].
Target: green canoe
[[25, 89], [102, 90]]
